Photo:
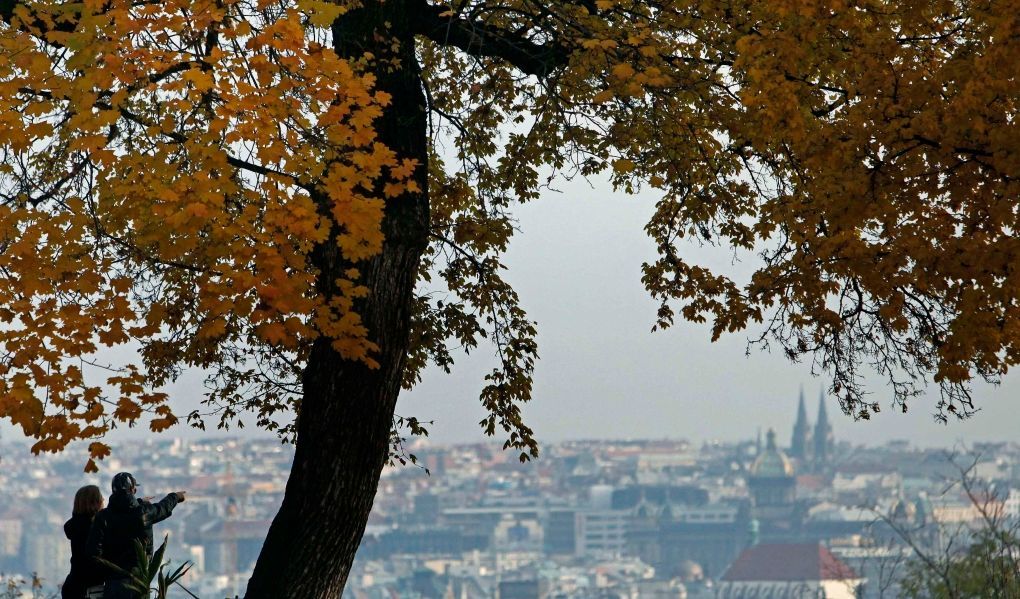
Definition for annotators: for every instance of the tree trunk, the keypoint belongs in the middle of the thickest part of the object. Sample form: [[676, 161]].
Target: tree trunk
[[346, 411]]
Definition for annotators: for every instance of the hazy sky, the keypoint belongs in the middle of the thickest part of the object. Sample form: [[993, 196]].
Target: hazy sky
[[603, 374], [576, 265]]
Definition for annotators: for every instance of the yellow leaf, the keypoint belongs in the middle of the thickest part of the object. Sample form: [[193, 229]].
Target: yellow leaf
[[321, 13], [623, 71], [623, 166]]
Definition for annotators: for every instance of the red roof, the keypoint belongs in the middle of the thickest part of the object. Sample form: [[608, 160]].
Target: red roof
[[788, 562], [812, 482]]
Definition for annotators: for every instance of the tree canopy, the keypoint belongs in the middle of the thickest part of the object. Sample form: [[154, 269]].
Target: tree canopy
[[169, 167], [308, 201]]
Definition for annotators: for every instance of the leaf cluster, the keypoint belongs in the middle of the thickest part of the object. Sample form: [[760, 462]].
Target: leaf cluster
[[167, 169], [148, 575]]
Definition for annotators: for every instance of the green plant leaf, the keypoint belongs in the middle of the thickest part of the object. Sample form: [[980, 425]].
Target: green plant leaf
[[157, 559]]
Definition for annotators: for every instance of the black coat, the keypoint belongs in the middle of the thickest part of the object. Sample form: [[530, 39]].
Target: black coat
[[84, 572], [124, 520]]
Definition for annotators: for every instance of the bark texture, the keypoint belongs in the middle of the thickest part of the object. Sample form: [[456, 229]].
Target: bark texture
[[346, 412]]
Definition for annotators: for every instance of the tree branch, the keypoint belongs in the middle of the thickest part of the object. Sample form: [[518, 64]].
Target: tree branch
[[441, 25], [7, 10], [7, 14]]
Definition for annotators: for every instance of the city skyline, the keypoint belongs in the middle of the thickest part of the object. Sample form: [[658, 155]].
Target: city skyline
[[656, 516]]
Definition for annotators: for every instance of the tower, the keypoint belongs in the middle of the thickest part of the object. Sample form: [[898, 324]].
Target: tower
[[230, 515], [771, 481], [824, 443], [801, 432]]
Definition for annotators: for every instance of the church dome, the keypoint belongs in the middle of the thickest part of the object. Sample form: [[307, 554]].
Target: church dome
[[772, 463]]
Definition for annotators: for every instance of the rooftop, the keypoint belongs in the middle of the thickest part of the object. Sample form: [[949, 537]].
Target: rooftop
[[788, 562]]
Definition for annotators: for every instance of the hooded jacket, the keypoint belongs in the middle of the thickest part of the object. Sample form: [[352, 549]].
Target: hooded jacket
[[124, 520]]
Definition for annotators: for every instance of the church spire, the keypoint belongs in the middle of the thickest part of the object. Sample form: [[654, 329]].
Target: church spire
[[801, 431], [824, 444]]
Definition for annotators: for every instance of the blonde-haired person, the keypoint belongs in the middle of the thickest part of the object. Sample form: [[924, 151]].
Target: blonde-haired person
[[84, 573]]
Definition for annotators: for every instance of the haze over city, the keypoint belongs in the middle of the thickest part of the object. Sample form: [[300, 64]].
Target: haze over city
[[604, 375], [220, 221]]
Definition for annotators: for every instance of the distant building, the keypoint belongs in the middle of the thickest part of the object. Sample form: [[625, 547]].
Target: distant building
[[48, 549], [521, 589], [231, 546], [560, 536], [812, 448], [823, 440], [11, 528], [435, 540], [671, 537], [801, 432], [631, 496], [772, 482], [601, 532], [788, 571]]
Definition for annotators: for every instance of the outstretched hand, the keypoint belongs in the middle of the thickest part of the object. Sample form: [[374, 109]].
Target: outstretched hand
[[180, 496]]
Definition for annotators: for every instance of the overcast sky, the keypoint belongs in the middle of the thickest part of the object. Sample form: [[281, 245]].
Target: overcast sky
[[603, 374]]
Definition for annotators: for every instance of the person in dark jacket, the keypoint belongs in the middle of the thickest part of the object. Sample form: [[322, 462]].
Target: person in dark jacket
[[84, 572], [116, 528]]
